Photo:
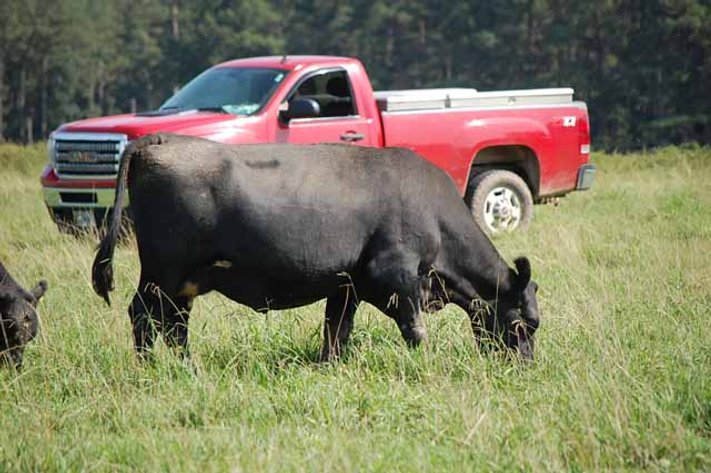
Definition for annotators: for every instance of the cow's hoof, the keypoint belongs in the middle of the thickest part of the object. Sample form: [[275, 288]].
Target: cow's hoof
[[327, 356]]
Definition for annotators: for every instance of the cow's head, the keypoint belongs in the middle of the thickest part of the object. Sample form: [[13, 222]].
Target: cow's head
[[18, 321], [515, 317]]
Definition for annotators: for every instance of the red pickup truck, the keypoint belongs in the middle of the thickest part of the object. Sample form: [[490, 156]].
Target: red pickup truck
[[504, 150]]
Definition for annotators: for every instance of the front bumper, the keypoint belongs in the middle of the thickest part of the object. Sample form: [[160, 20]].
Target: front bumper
[[586, 176], [76, 210], [78, 198]]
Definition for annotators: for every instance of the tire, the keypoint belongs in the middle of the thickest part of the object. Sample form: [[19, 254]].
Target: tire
[[500, 201]]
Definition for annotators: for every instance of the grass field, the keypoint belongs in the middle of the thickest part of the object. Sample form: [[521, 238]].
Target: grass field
[[622, 379]]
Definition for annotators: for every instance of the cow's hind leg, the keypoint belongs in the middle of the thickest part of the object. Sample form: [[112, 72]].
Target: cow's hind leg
[[340, 310], [155, 309], [174, 325], [144, 309]]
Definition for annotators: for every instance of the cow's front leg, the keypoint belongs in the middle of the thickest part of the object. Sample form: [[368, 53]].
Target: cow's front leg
[[396, 290], [481, 316], [340, 310]]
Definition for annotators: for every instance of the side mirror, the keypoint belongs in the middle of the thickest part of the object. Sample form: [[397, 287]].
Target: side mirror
[[300, 108]]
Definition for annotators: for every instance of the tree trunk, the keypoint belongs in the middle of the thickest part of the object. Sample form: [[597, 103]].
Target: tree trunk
[[2, 99], [101, 89], [21, 102], [389, 46], [29, 127], [520, 72], [90, 102], [175, 19], [43, 98]]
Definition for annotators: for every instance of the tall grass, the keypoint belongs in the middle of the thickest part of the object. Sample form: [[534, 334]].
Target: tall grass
[[621, 381]]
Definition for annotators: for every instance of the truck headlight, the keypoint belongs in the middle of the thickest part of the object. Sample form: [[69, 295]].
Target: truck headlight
[[51, 150]]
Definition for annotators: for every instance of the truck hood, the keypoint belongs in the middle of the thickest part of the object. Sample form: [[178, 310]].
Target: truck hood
[[134, 125]]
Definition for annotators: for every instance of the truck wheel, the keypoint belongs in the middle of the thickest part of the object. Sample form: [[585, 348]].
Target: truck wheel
[[500, 201]]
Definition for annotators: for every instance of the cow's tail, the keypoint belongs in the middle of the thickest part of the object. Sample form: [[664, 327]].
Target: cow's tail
[[102, 274]]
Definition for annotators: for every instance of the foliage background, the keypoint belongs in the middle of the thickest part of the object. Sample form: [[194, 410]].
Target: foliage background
[[641, 65]]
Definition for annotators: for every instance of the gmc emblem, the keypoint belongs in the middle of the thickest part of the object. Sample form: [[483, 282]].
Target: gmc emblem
[[82, 157]]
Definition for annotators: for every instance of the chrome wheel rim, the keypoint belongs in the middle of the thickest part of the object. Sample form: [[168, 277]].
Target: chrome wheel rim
[[502, 210]]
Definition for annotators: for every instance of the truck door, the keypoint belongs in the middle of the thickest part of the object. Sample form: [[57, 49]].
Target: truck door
[[338, 120]]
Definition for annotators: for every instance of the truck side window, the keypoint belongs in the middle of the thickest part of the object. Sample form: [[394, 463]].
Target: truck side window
[[332, 91]]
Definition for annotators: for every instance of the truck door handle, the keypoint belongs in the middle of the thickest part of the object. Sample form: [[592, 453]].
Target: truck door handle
[[352, 136]]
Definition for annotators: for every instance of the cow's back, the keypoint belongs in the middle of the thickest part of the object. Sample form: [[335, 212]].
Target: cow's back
[[293, 209]]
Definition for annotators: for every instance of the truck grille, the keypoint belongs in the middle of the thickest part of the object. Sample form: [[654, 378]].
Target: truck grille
[[87, 156]]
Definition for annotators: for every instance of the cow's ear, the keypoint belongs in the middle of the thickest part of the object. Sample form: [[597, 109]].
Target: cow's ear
[[523, 267], [6, 299], [5, 295], [39, 290]]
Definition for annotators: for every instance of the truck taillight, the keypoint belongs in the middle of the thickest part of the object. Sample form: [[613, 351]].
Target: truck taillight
[[584, 135]]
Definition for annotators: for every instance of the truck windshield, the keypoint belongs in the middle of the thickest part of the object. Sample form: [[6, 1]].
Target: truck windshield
[[240, 91]]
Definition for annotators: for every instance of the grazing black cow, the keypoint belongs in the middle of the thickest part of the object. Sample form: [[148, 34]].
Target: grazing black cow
[[18, 318], [280, 226]]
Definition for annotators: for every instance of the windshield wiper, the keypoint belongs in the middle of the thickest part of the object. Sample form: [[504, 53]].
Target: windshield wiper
[[161, 112], [219, 109]]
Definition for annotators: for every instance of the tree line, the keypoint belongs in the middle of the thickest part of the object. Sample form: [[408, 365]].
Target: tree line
[[641, 65]]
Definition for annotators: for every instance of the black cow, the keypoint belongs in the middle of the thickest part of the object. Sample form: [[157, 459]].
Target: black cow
[[18, 318], [281, 226]]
